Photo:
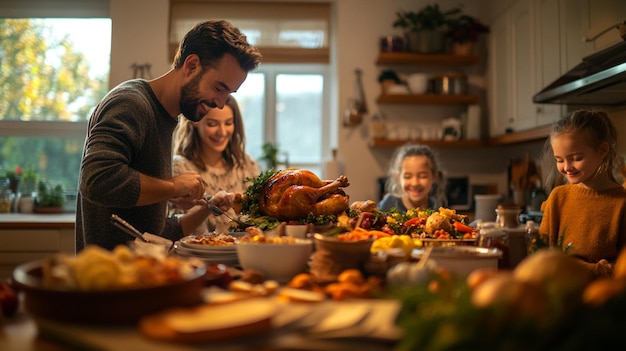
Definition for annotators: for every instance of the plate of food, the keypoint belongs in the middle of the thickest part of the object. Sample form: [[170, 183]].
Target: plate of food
[[212, 242], [98, 286], [448, 242]]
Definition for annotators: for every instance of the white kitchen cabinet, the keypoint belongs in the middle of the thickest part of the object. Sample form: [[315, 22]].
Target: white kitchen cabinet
[[533, 43], [604, 14], [511, 76], [548, 62], [499, 79]]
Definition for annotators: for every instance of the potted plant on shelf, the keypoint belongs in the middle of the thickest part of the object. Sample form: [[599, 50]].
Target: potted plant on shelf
[[425, 29], [463, 33], [388, 78], [29, 181], [50, 197]]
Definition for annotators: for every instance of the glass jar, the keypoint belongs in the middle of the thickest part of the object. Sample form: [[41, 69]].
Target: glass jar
[[6, 196], [507, 215], [492, 235]]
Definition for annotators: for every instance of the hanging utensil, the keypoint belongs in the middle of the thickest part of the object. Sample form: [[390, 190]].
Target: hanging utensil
[[353, 116], [127, 228]]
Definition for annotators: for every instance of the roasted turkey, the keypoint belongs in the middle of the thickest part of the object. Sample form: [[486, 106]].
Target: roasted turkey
[[295, 193]]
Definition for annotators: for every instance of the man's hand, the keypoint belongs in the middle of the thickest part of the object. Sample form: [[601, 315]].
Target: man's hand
[[223, 200], [188, 186]]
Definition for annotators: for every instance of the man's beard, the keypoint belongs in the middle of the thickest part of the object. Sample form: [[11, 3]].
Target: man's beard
[[188, 100]]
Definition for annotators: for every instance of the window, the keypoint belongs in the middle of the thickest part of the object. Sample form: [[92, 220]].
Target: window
[[295, 120], [52, 75], [286, 101]]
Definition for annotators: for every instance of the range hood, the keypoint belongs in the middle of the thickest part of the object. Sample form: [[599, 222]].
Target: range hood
[[600, 79]]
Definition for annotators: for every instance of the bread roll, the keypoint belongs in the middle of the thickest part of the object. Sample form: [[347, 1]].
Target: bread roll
[[207, 323]]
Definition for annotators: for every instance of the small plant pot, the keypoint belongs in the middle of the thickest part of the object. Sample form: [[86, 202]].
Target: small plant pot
[[462, 49]]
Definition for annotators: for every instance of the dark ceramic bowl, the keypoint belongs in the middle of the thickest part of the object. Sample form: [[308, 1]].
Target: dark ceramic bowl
[[115, 306]]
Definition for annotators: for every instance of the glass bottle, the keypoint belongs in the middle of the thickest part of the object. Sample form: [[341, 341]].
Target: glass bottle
[[532, 235]]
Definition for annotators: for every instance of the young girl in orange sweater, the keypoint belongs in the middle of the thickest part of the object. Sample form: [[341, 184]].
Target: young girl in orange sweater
[[587, 217]]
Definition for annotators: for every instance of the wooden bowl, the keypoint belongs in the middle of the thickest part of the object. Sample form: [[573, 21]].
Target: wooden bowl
[[115, 306], [346, 254]]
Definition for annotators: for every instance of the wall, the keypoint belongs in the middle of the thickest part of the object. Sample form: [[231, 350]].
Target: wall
[[139, 36], [358, 35], [140, 30]]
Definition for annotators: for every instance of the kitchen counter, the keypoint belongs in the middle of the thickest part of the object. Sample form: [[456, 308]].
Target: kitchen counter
[[35, 220], [31, 236]]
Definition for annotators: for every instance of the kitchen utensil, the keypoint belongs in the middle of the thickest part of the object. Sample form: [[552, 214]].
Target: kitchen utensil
[[218, 212], [418, 83], [450, 84], [127, 228]]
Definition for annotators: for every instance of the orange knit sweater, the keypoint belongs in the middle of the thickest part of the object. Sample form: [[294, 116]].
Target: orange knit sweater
[[590, 223]]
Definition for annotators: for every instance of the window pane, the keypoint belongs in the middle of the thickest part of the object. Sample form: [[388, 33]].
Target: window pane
[[251, 99], [53, 69], [299, 116], [55, 159]]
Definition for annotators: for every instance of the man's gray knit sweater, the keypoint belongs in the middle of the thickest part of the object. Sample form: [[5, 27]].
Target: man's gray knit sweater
[[129, 132]]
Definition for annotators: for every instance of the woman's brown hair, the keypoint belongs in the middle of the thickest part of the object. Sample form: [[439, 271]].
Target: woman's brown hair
[[187, 141]]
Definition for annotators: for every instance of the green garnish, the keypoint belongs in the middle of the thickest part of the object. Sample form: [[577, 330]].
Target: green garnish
[[250, 202]]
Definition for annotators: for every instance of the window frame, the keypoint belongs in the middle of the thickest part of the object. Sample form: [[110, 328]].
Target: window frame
[[50, 9], [271, 71]]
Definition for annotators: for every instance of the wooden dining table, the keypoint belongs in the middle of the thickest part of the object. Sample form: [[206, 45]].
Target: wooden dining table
[[26, 333]]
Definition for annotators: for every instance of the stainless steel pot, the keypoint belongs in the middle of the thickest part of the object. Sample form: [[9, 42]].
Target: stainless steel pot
[[450, 84]]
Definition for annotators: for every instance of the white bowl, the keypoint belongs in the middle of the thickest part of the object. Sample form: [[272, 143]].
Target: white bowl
[[277, 261], [418, 83], [297, 230], [462, 259]]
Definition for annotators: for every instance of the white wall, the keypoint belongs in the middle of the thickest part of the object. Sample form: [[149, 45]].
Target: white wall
[[358, 34], [140, 29], [140, 32]]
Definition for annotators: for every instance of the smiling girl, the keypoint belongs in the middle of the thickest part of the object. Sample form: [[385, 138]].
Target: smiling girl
[[587, 217], [215, 148], [414, 180]]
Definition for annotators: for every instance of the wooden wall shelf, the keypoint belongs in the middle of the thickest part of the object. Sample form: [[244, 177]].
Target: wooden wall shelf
[[409, 58], [437, 143], [426, 99], [536, 134]]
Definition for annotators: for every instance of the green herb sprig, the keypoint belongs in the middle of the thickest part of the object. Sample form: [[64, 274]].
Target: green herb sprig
[[252, 195]]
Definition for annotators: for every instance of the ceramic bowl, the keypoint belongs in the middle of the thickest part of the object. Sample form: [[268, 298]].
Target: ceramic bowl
[[462, 259], [277, 261], [115, 306], [297, 230]]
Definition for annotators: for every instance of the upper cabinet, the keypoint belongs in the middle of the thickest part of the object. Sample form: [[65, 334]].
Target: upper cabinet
[[534, 42], [524, 55]]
